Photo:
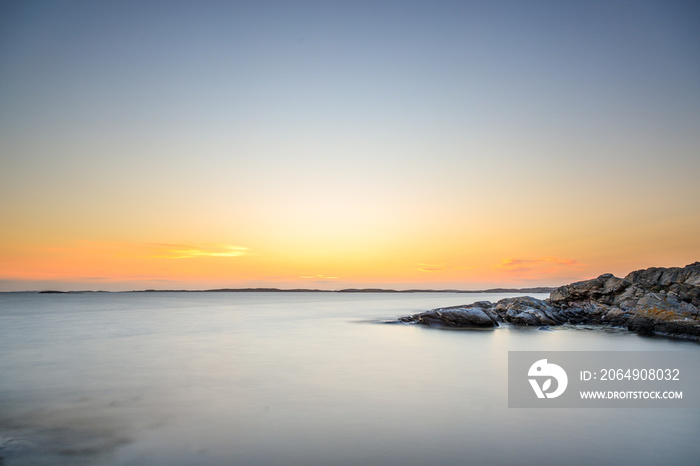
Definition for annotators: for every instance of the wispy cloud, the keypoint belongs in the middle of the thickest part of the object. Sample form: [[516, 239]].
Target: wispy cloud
[[184, 251], [318, 277], [520, 263], [424, 267], [430, 267], [539, 266], [157, 250]]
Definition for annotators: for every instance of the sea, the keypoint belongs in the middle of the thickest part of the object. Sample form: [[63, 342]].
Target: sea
[[297, 378]]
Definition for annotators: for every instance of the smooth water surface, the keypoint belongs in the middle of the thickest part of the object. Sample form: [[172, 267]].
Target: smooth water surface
[[296, 379]]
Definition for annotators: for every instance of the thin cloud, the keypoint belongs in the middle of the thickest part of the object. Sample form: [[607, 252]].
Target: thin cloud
[[538, 268], [183, 251], [160, 250], [525, 263], [423, 267], [430, 267], [318, 277]]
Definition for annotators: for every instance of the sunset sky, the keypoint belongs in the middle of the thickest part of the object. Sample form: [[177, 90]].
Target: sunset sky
[[335, 144]]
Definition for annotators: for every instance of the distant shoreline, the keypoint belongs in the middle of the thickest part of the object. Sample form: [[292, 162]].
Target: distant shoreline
[[308, 290]]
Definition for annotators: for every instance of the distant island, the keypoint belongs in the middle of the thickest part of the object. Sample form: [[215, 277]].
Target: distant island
[[653, 301], [541, 289]]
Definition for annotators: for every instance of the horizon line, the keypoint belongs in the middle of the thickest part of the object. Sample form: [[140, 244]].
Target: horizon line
[[535, 289]]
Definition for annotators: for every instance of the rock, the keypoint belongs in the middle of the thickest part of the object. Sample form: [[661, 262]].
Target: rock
[[629, 297], [668, 303], [659, 276], [663, 301], [601, 290], [456, 316], [641, 325], [616, 317], [678, 329], [687, 293], [525, 310]]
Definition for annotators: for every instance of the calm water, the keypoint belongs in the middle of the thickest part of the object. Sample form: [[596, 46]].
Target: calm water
[[296, 379]]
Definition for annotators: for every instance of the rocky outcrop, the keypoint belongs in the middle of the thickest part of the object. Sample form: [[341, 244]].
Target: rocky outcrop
[[659, 276], [523, 310], [663, 301], [472, 315]]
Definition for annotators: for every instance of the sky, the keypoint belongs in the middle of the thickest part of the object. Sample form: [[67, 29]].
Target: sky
[[336, 144]]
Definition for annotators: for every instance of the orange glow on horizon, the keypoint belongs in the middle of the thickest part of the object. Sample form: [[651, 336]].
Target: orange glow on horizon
[[124, 265]]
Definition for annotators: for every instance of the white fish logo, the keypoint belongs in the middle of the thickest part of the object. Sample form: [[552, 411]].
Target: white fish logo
[[543, 369]]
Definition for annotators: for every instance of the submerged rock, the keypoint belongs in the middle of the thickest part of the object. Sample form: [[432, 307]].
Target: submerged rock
[[664, 301]]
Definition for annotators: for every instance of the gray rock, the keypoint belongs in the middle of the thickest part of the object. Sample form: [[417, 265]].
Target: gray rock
[[601, 290], [456, 316], [653, 301], [641, 325], [659, 276], [526, 310]]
